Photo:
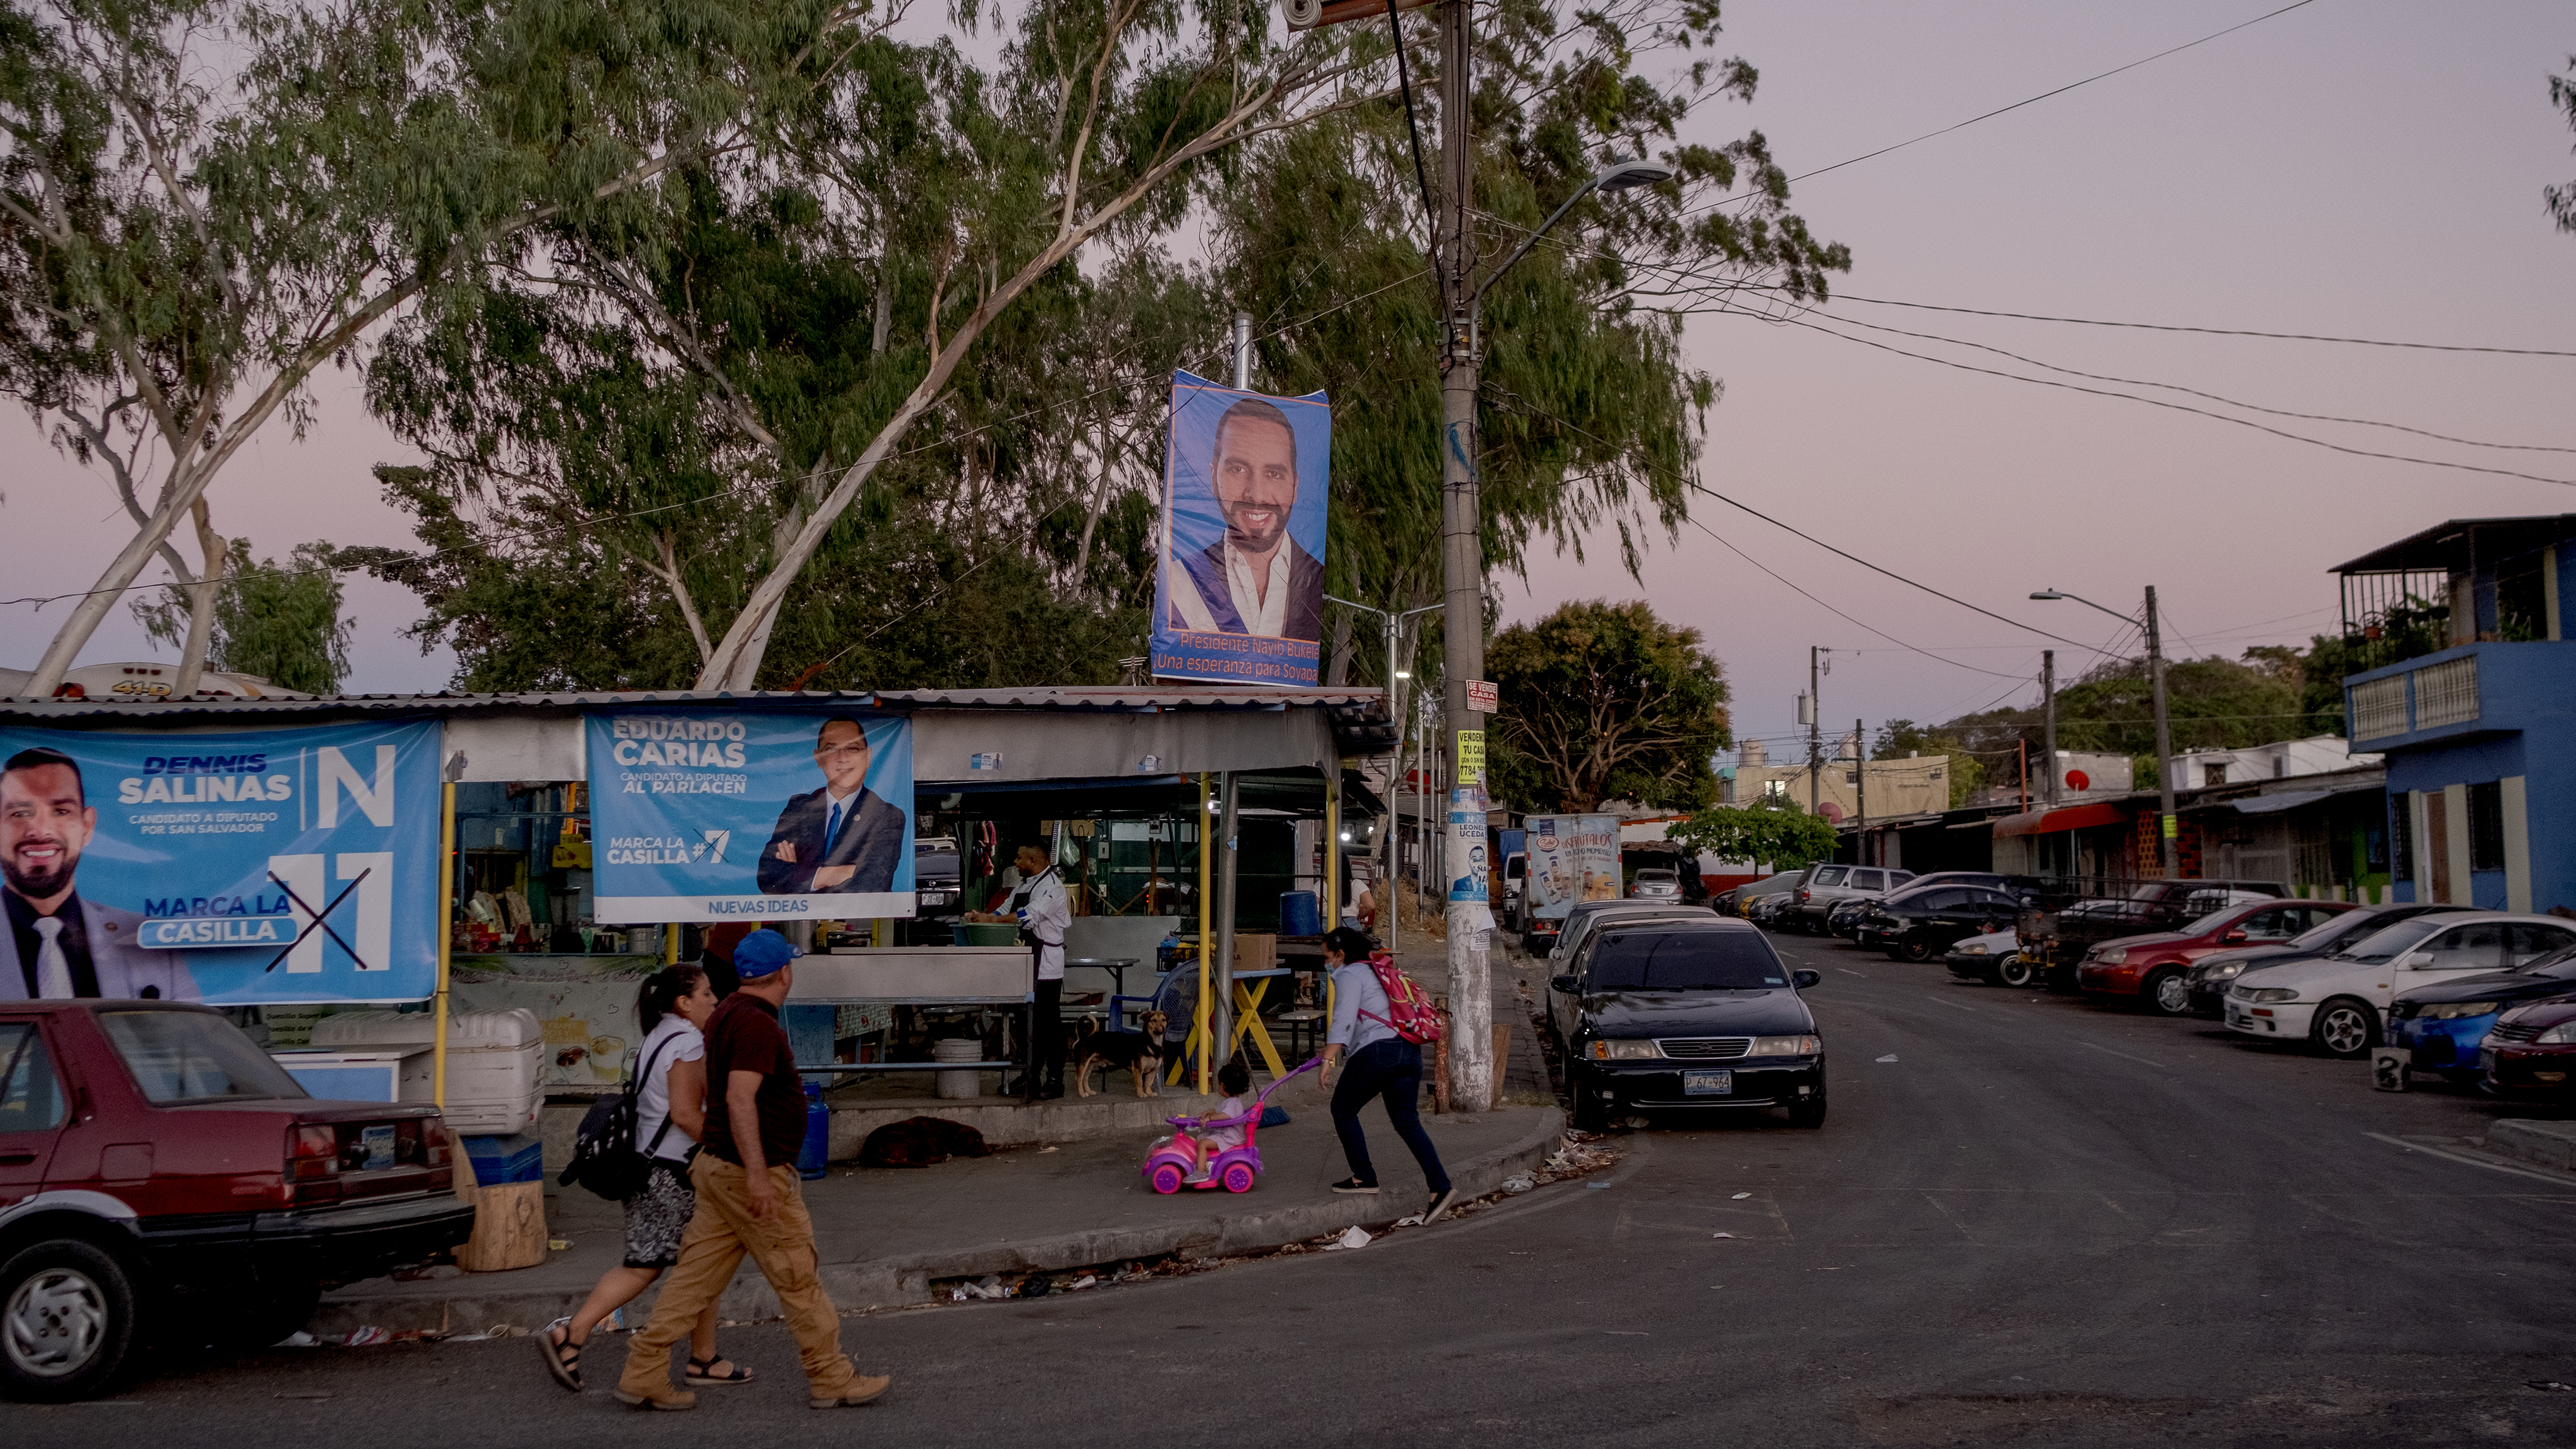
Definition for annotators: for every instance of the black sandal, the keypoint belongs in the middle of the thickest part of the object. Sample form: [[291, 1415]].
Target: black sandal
[[703, 1371], [563, 1356]]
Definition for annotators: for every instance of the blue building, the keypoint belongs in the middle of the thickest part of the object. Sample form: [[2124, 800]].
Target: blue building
[[2467, 683]]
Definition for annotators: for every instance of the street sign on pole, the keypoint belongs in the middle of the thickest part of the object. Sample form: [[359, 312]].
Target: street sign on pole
[[1483, 697]]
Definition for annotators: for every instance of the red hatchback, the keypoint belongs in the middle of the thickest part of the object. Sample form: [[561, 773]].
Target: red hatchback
[[2154, 970], [2531, 1050], [156, 1167]]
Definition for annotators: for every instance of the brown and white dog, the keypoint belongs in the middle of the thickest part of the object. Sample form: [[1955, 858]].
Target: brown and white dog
[[1140, 1052]]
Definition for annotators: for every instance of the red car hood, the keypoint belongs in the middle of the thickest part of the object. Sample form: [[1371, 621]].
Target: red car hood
[[2540, 1013], [2153, 940]]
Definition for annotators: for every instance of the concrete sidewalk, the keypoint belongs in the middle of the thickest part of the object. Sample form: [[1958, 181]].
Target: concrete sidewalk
[[885, 1233]]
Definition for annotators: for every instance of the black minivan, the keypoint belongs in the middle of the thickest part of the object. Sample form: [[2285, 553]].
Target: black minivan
[[1686, 1016]]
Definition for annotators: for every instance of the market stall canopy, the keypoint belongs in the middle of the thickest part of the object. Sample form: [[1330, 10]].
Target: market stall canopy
[[2072, 817]]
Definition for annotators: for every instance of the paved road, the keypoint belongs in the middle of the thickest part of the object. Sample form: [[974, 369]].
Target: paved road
[[2041, 1223]]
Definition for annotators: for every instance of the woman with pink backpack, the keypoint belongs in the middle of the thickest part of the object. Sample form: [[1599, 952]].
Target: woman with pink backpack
[[1375, 1042]]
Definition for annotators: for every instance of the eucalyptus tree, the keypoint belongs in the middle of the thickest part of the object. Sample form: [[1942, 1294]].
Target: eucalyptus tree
[[202, 201]]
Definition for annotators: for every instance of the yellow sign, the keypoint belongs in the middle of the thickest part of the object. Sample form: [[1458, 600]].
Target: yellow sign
[[1471, 755]]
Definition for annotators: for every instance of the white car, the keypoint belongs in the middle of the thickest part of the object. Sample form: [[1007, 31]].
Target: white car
[[1995, 957], [2338, 1002]]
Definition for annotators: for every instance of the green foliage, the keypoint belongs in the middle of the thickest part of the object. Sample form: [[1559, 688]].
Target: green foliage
[[2561, 200], [1773, 829], [1899, 738], [2213, 703], [1605, 701], [281, 625]]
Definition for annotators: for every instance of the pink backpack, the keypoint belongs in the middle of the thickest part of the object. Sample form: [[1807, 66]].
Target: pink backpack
[[1414, 1018]]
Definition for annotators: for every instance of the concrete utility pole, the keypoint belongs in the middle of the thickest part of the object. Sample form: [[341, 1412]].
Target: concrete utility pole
[[1243, 352], [1815, 741], [1396, 675], [1860, 795], [2048, 713], [2165, 826]]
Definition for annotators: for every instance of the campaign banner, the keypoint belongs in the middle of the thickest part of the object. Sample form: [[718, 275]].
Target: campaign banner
[[1468, 860], [1571, 858], [1239, 590], [761, 815], [287, 865]]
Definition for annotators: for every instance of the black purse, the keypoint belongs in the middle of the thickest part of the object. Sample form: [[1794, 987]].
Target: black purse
[[604, 1157]]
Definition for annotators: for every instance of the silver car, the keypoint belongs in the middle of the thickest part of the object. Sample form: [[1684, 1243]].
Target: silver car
[[1656, 883], [1827, 885]]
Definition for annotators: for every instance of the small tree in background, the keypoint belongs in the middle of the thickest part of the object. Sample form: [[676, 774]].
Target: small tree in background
[[1899, 738], [281, 625], [1605, 701], [1773, 828]]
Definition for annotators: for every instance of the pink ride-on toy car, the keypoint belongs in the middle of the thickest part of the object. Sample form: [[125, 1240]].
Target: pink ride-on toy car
[[1168, 1162]]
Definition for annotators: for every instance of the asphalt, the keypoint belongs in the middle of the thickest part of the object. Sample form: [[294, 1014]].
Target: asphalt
[[2039, 1223]]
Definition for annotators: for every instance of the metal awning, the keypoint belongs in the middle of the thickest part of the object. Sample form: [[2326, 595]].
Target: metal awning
[[2071, 817]]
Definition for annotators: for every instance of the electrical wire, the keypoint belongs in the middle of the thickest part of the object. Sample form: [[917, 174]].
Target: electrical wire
[[1828, 608], [2210, 331]]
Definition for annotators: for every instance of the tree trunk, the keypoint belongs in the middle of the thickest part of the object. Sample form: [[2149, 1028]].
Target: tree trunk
[[1339, 673], [201, 602]]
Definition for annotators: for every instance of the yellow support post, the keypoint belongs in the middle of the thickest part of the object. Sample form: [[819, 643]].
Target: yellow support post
[[671, 944], [1332, 892], [446, 930]]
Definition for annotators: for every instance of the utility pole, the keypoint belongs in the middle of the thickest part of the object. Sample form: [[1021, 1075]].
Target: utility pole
[[1860, 795], [2165, 824], [2048, 713], [1243, 352], [1462, 552], [1815, 713]]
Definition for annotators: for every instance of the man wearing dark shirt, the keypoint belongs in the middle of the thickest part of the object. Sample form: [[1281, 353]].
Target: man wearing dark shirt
[[748, 1198]]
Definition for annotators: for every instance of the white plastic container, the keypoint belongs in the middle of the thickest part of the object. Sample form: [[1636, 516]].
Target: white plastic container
[[363, 1074], [493, 1061], [957, 1086]]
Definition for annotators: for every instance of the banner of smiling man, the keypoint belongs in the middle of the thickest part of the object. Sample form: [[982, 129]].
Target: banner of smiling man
[[285, 865], [727, 815], [1239, 591]]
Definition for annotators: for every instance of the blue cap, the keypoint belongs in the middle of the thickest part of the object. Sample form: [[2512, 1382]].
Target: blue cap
[[761, 953]]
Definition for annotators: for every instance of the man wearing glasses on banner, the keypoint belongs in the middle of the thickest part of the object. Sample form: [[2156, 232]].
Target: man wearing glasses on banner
[[843, 837]]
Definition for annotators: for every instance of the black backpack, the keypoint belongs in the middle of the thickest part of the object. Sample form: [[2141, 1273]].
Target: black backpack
[[604, 1158]]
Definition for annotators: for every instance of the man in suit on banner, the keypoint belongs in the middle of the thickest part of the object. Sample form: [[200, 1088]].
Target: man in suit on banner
[[61, 946], [843, 837], [1254, 579]]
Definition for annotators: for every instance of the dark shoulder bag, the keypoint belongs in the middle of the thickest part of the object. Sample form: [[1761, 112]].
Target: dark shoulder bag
[[604, 1157]]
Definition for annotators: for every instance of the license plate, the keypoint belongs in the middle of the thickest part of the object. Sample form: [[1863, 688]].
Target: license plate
[[1708, 1084], [379, 1142]]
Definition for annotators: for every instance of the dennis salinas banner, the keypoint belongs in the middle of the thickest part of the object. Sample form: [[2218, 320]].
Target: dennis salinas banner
[[287, 865], [750, 815], [1239, 593]]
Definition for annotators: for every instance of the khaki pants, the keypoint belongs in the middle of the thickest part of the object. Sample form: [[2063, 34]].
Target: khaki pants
[[718, 1236]]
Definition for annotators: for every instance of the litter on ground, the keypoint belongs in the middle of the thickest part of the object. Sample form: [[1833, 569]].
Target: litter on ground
[[1353, 1236]]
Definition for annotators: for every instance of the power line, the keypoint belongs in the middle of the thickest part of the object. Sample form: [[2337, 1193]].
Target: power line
[[1802, 593], [2148, 401], [2210, 331]]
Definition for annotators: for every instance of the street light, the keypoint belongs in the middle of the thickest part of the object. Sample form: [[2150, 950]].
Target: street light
[[1617, 176], [1393, 622], [2165, 826]]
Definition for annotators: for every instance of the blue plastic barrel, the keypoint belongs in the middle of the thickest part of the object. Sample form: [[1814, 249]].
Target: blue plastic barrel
[[813, 1159], [1299, 915]]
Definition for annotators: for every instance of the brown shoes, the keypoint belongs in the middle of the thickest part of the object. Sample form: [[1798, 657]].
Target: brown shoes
[[861, 1389], [660, 1396]]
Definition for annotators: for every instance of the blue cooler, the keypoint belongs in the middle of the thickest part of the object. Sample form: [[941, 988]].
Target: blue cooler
[[813, 1159], [1299, 915], [515, 1158]]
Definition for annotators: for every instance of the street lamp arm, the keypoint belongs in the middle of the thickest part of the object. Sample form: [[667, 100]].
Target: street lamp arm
[[2088, 603], [1618, 176]]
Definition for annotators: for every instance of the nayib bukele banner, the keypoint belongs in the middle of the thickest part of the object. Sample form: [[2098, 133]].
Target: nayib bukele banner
[[728, 815], [284, 865], [1239, 592]]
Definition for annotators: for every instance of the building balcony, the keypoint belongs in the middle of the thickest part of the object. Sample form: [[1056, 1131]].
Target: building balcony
[[2462, 693]]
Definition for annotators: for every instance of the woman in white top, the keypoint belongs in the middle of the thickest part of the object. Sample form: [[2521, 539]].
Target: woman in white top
[[670, 1116]]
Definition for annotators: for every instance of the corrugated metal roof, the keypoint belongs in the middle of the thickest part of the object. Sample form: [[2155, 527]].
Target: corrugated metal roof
[[1366, 701]]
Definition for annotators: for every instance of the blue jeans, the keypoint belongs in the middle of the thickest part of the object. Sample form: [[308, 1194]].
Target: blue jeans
[[1391, 1069]]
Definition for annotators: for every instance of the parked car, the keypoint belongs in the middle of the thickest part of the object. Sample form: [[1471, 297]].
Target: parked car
[[1741, 900], [2532, 1050], [1669, 1015], [1655, 883], [2058, 937], [1825, 884], [1921, 922], [1767, 911], [157, 1167], [2210, 975], [1995, 958], [2014, 885], [1515, 887], [2152, 970], [1593, 915], [2441, 1024], [2335, 1003]]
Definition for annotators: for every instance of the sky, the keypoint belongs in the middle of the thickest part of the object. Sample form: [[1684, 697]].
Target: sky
[[2348, 168]]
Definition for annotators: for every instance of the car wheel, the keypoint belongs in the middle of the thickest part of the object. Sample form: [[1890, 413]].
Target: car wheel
[[1807, 1114], [1591, 1109], [1915, 948], [67, 1318], [2344, 1028], [2167, 992], [2015, 972]]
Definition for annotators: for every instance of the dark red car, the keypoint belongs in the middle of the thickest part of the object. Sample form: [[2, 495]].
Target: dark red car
[[2531, 1050], [157, 1169], [2154, 970]]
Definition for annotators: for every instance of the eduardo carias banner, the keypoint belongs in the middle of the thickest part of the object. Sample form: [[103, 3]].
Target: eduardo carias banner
[[1239, 590], [729, 815], [288, 865]]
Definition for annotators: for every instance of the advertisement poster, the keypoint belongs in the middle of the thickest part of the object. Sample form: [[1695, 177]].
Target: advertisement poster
[[1571, 858], [763, 815], [1239, 595], [1468, 859], [289, 865]]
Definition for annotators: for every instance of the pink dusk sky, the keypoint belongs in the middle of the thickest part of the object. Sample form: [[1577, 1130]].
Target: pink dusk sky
[[2360, 168]]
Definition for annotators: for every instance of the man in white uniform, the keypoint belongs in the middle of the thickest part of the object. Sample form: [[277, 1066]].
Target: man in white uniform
[[1039, 908]]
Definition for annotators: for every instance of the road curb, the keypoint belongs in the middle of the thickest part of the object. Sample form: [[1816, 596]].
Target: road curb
[[881, 1282], [2541, 1144]]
